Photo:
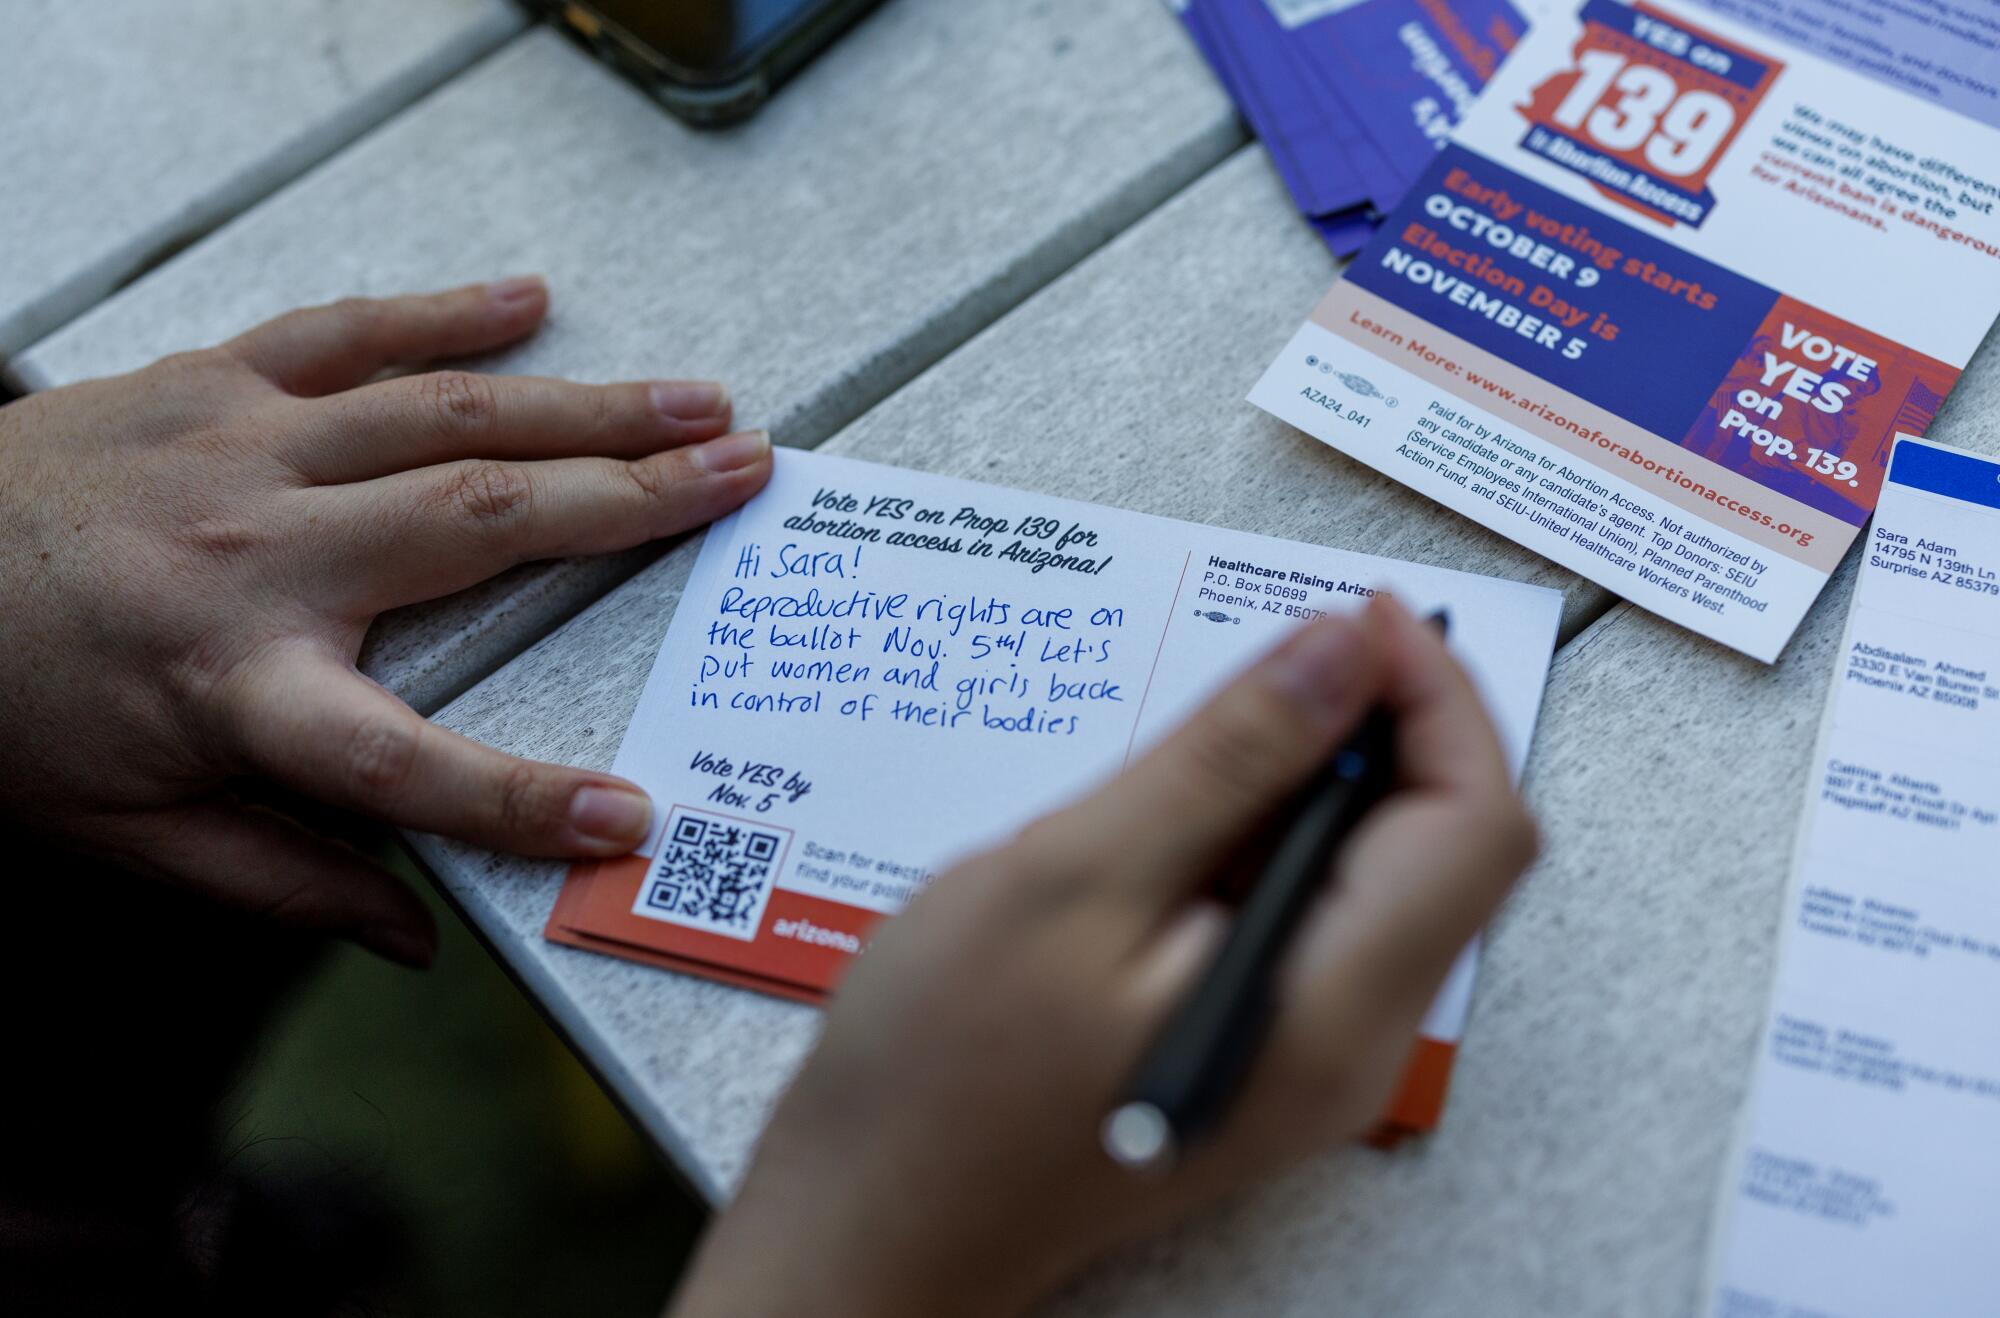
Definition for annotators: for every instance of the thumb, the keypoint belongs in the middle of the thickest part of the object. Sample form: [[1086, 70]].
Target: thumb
[[317, 727], [1161, 828], [260, 862]]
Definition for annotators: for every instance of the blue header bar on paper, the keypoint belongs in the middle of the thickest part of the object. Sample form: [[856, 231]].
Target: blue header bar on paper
[[1944, 471], [1653, 28]]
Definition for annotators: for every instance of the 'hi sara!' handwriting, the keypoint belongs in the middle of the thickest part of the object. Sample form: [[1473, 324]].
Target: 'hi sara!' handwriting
[[798, 633]]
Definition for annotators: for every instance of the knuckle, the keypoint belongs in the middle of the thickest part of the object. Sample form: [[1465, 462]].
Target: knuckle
[[1042, 852], [485, 494], [216, 372], [523, 801], [211, 676], [300, 901], [222, 537], [607, 410], [195, 361], [381, 753], [211, 447], [655, 479], [350, 323], [358, 317], [459, 401], [1230, 752]]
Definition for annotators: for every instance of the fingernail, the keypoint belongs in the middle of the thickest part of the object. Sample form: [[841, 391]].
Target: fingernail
[[1388, 602], [613, 816], [733, 452], [689, 400], [513, 292], [1313, 665], [1392, 610]]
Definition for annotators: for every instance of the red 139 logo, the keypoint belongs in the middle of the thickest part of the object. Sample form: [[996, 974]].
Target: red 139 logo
[[1647, 107]]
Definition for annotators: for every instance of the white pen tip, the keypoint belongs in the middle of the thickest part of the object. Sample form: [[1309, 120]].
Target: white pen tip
[[1138, 1137]]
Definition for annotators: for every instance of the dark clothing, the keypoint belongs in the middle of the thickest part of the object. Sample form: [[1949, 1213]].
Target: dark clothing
[[132, 1008]]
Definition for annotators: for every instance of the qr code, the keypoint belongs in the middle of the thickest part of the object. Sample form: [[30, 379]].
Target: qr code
[[712, 873]]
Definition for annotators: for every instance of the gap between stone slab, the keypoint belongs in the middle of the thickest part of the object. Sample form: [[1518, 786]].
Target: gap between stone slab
[[341, 130]]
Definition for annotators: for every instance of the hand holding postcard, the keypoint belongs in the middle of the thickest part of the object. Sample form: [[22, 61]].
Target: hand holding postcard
[[873, 672]]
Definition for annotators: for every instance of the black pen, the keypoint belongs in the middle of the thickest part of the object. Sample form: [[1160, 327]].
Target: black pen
[[1192, 1070]]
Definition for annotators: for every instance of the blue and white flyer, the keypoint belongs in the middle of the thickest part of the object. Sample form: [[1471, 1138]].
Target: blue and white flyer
[[1661, 306], [1862, 1181]]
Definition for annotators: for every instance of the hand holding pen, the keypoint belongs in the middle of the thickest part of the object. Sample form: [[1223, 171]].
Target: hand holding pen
[[1193, 1070], [942, 1151]]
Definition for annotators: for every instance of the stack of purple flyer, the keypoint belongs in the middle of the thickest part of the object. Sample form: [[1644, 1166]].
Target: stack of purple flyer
[[1353, 97]]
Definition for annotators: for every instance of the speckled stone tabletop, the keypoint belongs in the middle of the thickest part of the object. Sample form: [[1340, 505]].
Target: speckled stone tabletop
[[133, 126], [870, 219]]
